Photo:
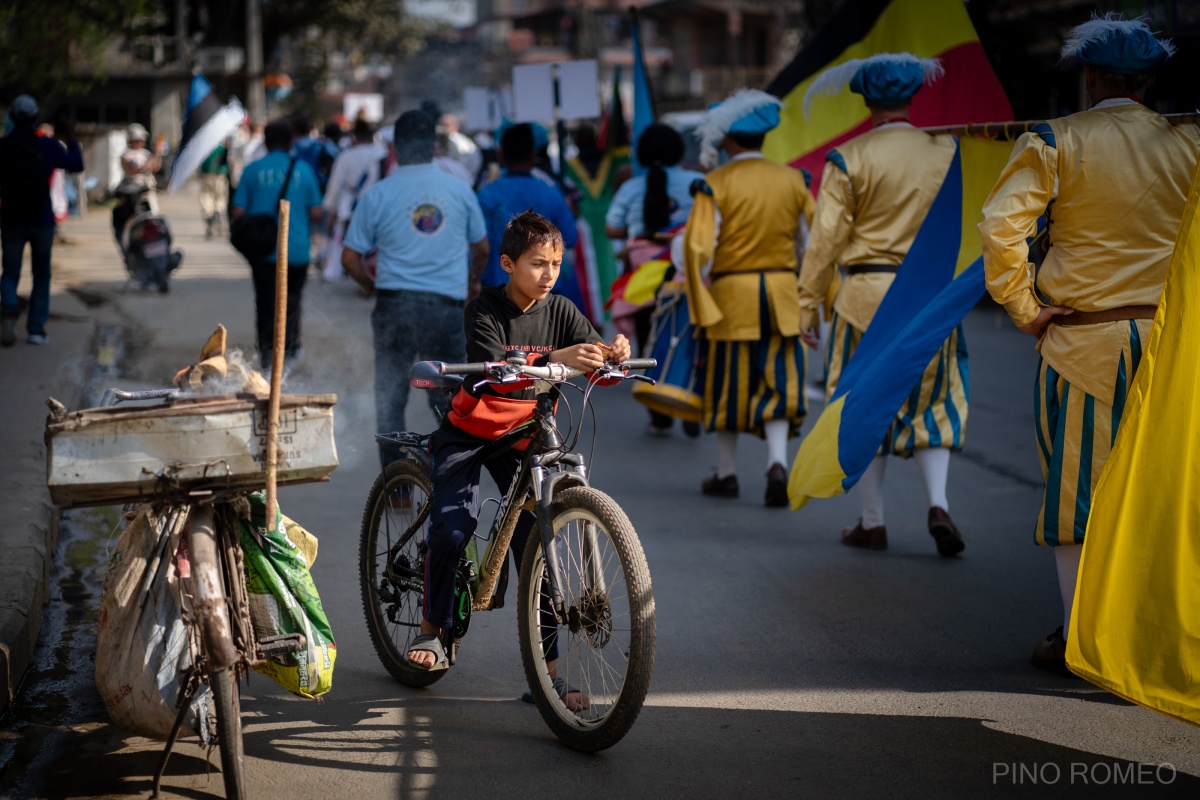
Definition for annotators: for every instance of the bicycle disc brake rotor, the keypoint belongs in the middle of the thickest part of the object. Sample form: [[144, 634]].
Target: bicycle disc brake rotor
[[404, 576], [595, 617]]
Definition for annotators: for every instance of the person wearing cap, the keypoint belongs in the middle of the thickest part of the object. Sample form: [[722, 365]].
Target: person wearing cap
[[431, 245], [875, 192], [748, 219], [27, 162], [1112, 182], [139, 164]]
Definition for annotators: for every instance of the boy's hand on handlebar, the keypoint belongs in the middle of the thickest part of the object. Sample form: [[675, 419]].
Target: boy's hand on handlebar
[[619, 351], [585, 357]]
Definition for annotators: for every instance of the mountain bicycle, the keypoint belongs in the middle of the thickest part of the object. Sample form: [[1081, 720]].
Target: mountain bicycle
[[583, 581]]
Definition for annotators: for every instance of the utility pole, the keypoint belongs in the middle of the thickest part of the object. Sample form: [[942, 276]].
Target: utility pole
[[256, 98]]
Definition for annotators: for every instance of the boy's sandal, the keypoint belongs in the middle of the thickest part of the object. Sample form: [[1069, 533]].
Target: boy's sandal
[[560, 688], [429, 643]]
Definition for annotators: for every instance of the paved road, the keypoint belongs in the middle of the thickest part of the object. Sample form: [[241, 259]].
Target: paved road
[[786, 663]]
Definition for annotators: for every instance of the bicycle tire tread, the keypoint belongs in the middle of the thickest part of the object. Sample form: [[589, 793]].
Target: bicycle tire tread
[[394, 662], [637, 578]]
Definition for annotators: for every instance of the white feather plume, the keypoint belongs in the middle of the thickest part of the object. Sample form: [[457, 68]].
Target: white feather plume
[[719, 120], [833, 80], [1099, 29]]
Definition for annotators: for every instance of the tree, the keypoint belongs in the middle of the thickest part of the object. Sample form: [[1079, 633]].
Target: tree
[[54, 46]]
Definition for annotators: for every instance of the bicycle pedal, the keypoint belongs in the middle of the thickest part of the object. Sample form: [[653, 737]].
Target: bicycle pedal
[[270, 646]]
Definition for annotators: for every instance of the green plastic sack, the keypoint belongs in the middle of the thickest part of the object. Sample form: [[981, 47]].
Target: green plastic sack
[[284, 599]]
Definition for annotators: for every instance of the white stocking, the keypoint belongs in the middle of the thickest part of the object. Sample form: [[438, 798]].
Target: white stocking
[[1066, 558], [777, 436], [726, 453], [870, 487], [934, 463]]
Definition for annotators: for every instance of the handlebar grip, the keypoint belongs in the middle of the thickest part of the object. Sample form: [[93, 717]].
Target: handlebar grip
[[639, 363], [479, 368]]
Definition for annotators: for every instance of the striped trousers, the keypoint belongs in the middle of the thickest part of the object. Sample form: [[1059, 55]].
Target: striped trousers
[[1075, 433], [935, 412]]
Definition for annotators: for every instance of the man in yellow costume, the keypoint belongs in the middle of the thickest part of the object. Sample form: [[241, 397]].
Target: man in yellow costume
[[875, 192], [1113, 182], [749, 218]]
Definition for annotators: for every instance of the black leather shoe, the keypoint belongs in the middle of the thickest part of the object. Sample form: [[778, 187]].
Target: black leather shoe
[[945, 533], [1051, 654], [866, 538], [777, 494], [714, 486]]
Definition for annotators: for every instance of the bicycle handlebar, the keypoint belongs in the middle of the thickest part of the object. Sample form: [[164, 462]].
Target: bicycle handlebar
[[547, 372]]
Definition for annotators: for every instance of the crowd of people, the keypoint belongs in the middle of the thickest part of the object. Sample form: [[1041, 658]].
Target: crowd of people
[[460, 241]]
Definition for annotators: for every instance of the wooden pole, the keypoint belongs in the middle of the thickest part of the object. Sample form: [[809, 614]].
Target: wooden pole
[[281, 274], [1009, 131]]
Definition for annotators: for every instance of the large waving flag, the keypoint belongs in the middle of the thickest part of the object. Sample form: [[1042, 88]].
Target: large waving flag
[[895, 349], [594, 250], [1135, 625], [968, 93], [206, 124]]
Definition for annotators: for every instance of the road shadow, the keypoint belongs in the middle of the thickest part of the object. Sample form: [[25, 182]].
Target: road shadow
[[441, 747]]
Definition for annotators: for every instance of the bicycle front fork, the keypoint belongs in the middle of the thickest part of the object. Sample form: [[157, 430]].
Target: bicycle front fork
[[208, 589]]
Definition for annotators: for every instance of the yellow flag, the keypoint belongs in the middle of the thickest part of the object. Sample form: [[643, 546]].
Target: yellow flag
[[1135, 626]]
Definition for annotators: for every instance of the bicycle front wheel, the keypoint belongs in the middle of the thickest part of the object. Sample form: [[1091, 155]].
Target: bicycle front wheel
[[605, 649], [229, 731], [392, 566]]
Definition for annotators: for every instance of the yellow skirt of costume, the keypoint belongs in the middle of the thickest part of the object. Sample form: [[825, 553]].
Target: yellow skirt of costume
[[1075, 432], [749, 383], [935, 413]]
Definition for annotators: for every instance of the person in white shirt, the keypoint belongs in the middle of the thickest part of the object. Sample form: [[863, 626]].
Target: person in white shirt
[[354, 170]]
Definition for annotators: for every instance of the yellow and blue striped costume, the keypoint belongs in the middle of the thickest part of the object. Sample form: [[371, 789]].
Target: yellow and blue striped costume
[[749, 383], [1075, 432], [750, 316], [935, 413], [875, 192], [1115, 179]]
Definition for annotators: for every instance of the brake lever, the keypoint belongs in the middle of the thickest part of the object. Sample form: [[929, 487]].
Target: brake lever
[[642, 378]]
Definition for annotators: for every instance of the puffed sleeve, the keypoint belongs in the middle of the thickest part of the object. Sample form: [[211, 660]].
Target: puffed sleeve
[[1021, 195], [699, 245], [832, 223]]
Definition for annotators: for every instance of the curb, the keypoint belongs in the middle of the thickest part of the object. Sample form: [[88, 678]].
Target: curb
[[30, 543]]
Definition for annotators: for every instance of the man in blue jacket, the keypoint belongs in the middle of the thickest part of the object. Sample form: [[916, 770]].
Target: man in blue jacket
[[27, 162]]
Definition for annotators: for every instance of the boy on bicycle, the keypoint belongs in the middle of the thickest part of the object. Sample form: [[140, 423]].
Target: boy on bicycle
[[520, 315]]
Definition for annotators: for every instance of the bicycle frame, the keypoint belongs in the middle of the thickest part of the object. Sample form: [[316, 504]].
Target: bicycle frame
[[544, 470]]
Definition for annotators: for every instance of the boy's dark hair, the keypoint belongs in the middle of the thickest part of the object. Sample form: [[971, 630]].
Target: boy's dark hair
[[516, 145], [526, 230], [278, 135], [414, 137]]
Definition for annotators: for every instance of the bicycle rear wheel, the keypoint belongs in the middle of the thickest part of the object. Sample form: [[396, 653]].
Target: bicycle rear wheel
[[606, 647], [392, 566], [229, 731]]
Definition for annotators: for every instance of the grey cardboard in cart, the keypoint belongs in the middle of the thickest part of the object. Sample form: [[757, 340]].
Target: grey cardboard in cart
[[104, 456]]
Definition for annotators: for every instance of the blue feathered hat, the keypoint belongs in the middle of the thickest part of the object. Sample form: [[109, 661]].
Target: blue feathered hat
[[1122, 46], [747, 111], [886, 79]]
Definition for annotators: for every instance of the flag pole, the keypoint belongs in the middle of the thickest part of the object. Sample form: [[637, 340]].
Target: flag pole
[[272, 445], [1009, 131], [635, 22]]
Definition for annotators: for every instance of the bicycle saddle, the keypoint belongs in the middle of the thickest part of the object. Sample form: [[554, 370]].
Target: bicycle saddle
[[428, 375]]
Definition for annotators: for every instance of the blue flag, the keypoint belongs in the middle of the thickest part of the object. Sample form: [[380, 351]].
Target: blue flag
[[643, 101]]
